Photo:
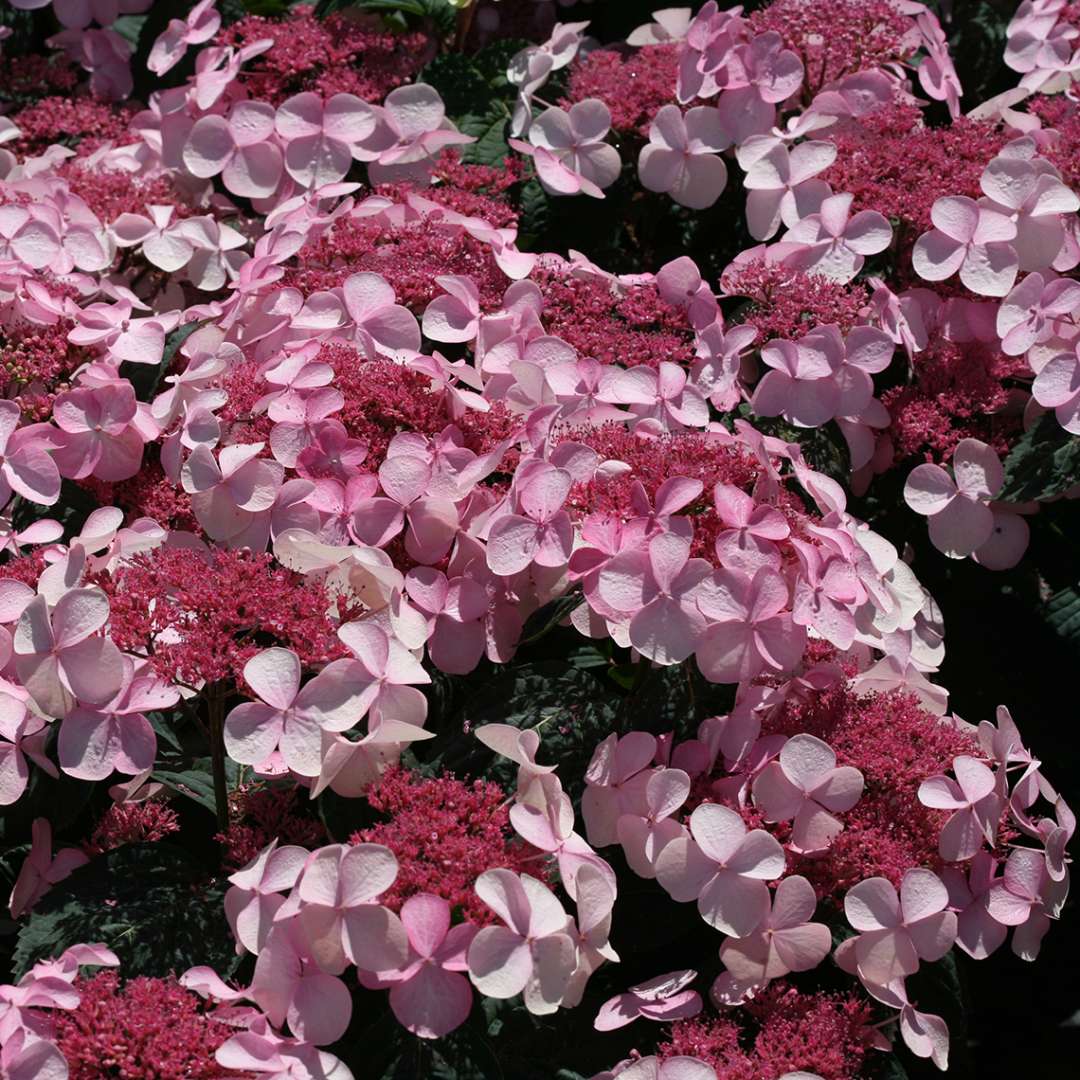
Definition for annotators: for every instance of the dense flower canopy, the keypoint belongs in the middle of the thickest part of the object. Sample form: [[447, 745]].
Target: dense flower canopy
[[463, 564]]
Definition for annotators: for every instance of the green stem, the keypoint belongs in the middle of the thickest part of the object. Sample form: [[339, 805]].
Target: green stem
[[216, 703]]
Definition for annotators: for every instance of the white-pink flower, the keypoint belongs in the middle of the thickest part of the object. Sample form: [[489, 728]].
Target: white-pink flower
[[321, 137], [681, 158], [835, 243], [287, 717], [542, 533], [662, 998], [25, 465], [780, 182], [337, 898], [533, 952], [643, 835], [428, 994], [960, 519], [752, 629], [977, 803], [1057, 387], [804, 784], [254, 895], [785, 941], [200, 25], [95, 740], [569, 151], [61, 658], [656, 587], [896, 932], [970, 239], [724, 867]]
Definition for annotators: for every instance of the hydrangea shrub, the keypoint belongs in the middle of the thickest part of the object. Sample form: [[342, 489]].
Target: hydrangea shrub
[[483, 487]]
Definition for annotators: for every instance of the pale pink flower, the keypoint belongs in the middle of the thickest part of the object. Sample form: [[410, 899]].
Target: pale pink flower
[[453, 609], [286, 717], [978, 933], [895, 933], [805, 784], [532, 953], [78, 14], [1035, 310], [672, 1068], [386, 674], [785, 941], [1057, 387], [529, 69], [381, 325], [681, 157], [1031, 195], [170, 46], [643, 835], [412, 130], [1024, 897], [937, 73], [261, 1050], [349, 768], [1038, 38], [972, 239], [977, 802], [717, 372], [550, 828], [454, 316], [115, 735], [254, 895], [663, 393], [669, 24], [163, 243], [290, 985], [428, 994], [22, 736], [801, 384], [337, 897], [138, 341], [752, 530], [835, 243], [960, 519], [61, 658], [662, 998], [826, 594], [320, 137], [103, 430], [25, 1057], [752, 629], [542, 534], [569, 151], [780, 182], [724, 867], [656, 587], [216, 258], [615, 783], [40, 871], [232, 494], [924, 1034], [681, 284], [25, 466]]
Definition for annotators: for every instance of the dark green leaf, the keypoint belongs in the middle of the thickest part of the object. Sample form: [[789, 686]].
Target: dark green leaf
[[146, 378], [1045, 462], [1062, 613], [193, 779], [150, 903], [546, 618], [489, 130]]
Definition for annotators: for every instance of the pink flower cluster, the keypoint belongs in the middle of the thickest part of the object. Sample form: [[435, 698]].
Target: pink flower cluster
[[347, 436]]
